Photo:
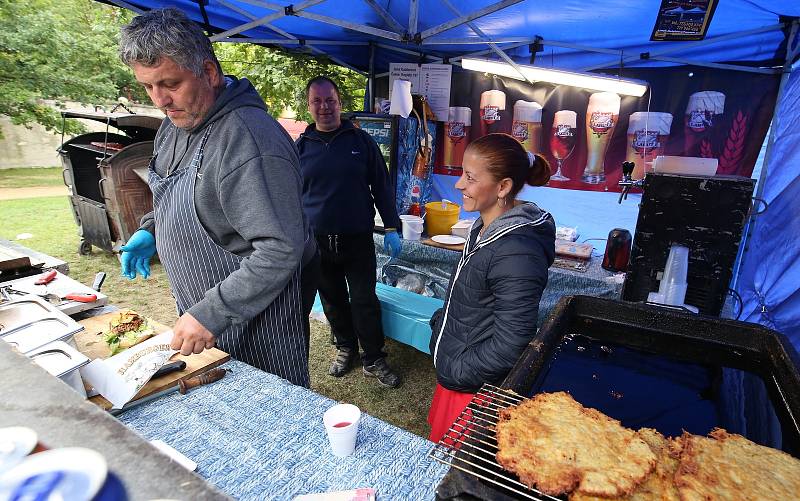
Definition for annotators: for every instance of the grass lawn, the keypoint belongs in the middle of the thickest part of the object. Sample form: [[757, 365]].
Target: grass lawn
[[26, 177], [54, 231]]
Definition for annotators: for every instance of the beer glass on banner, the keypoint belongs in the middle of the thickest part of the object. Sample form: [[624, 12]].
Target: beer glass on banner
[[456, 131], [647, 134], [493, 103], [701, 111], [527, 125], [602, 115], [563, 136]]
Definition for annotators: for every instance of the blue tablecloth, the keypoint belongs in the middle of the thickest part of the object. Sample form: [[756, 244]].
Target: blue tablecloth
[[256, 436], [438, 264]]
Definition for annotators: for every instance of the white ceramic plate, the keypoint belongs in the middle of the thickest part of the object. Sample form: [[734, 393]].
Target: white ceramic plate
[[448, 239], [16, 442], [82, 473]]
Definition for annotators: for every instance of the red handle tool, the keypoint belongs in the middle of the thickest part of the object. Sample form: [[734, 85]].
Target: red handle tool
[[46, 278], [80, 297]]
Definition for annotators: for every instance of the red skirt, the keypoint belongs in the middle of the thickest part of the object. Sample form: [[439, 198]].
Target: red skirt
[[445, 408]]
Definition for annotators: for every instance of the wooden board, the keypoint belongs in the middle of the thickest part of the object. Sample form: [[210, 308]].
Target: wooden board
[[574, 249], [12, 260], [90, 343], [454, 247]]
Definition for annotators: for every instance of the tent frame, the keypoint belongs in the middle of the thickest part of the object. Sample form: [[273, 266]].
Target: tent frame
[[412, 37]]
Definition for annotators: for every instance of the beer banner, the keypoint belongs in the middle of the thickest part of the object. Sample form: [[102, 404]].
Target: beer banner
[[586, 135]]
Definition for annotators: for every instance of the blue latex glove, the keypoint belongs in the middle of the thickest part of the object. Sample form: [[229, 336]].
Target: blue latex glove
[[391, 243], [136, 254]]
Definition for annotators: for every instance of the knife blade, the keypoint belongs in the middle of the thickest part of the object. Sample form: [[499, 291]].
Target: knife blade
[[207, 377]]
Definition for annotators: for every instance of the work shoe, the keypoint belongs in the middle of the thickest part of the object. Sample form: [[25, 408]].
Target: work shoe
[[343, 362], [380, 370]]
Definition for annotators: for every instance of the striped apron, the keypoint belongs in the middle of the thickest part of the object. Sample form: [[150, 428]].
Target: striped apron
[[273, 340]]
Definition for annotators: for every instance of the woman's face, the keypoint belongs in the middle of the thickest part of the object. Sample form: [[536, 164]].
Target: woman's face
[[478, 188]]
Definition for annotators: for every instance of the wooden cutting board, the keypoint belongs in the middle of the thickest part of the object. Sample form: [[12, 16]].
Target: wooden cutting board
[[574, 249], [90, 342], [455, 247]]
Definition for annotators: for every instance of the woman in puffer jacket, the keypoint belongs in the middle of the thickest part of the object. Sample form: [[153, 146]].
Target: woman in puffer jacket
[[492, 304]]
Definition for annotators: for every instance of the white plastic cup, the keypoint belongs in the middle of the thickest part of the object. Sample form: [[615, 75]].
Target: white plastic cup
[[412, 227], [341, 423]]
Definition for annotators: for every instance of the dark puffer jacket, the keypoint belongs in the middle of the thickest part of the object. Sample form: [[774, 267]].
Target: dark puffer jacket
[[492, 305]]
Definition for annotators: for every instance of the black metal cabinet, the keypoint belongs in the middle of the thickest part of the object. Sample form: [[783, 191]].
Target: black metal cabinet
[[105, 173]]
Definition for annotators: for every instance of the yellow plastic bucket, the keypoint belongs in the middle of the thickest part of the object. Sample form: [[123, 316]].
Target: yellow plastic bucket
[[438, 220]]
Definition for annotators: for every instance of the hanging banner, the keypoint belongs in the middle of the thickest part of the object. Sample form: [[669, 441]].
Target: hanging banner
[[683, 20], [586, 135]]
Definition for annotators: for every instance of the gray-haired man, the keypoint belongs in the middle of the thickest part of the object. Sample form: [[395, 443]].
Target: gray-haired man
[[227, 219]]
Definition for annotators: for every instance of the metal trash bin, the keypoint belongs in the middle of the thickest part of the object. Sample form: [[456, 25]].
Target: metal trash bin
[[105, 173]]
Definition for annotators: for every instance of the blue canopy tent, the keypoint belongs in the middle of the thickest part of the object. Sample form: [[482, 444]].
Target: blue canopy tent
[[745, 35]]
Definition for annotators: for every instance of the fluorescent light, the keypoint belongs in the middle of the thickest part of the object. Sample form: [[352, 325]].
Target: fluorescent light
[[534, 73]]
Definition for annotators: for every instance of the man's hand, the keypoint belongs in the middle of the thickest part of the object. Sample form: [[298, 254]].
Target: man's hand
[[391, 243], [190, 336], [136, 254]]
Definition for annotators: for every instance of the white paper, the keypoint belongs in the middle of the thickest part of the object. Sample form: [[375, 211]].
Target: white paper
[[430, 80], [119, 378], [401, 103]]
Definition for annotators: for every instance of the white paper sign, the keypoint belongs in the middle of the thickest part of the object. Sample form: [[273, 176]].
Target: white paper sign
[[430, 80], [120, 377]]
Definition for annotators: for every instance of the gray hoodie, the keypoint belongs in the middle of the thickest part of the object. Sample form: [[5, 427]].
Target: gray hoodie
[[248, 200]]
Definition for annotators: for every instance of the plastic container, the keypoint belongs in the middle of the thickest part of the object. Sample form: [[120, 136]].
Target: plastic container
[[461, 228], [440, 217], [412, 227]]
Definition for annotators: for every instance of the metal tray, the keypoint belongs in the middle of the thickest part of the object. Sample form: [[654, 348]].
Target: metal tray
[[30, 322]]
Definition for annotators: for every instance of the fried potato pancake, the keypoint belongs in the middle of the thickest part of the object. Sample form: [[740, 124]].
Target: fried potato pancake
[[557, 445], [659, 485], [729, 466]]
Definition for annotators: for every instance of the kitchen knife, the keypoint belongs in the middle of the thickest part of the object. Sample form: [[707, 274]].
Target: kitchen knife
[[46, 278], [205, 378], [98, 280], [167, 368], [80, 297]]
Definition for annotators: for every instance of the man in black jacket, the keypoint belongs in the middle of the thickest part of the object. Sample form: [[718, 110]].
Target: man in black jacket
[[344, 179]]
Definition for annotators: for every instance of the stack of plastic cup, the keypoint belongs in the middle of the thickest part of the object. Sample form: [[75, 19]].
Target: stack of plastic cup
[[673, 285], [341, 423]]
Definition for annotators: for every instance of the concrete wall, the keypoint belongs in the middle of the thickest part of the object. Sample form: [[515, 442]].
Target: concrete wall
[[36, 147]]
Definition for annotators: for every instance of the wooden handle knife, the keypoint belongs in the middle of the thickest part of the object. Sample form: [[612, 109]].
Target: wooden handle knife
[[207, 377]]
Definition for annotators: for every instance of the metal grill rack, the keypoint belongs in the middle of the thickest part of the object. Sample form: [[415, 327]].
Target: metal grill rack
[[470, 444]]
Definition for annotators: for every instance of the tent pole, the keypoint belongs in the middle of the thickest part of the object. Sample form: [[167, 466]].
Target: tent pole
[[262, 20], [371, 81], [291, 39], [497, 50], [469, 17], [791, 52], [387, 18], [413, 13]]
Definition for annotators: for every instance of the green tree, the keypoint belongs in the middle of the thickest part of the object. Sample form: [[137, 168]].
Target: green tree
[[59, 50], [280, 76]]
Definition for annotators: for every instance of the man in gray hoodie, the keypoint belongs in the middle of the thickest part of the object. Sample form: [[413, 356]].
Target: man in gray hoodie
[[227, 220]]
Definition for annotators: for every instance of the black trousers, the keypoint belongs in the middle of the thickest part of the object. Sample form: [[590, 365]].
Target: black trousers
[[347, 290]]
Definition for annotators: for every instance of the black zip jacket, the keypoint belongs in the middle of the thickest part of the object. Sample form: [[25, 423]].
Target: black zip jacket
[[344, 181], [492, 305]]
